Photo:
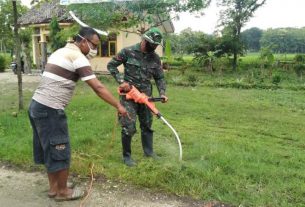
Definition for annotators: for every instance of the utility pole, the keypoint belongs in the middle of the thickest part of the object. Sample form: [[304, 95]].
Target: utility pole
[[17, 53]]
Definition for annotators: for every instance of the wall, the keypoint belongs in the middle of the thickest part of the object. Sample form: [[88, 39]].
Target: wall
[[100, 63]]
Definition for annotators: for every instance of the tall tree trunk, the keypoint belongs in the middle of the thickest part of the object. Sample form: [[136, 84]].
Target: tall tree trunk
[[234, 60], [26, 58], [237, 47], [17, 51]]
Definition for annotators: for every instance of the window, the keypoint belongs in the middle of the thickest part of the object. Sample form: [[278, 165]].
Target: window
[[108, 46], [112, 48]]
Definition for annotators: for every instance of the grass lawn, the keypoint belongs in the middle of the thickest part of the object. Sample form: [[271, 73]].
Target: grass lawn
[[241, 147]]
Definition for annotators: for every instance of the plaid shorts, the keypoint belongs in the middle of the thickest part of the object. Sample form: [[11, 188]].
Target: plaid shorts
[[51, 143]]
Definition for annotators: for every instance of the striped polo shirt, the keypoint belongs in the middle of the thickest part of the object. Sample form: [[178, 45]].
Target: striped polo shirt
[[63, 69]]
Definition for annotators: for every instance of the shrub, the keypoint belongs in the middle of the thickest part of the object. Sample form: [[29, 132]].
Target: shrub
[[299, 69], [177, 80], [192, 79], [299, 58], [2, 63], [299, 66], [276, 79], [266, 57]]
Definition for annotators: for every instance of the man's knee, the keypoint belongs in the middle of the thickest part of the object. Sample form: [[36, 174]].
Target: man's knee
[[129, 131], [146, 128]]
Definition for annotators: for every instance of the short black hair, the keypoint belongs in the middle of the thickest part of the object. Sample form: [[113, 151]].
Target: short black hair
[[86, 32]]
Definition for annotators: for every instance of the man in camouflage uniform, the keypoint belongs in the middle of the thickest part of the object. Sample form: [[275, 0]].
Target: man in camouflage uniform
[[141, 64]]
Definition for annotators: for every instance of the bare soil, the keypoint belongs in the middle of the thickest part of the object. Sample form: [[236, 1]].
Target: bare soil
[[29, 189]]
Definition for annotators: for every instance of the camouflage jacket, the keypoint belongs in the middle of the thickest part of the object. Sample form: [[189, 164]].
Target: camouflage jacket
[[139, 69]]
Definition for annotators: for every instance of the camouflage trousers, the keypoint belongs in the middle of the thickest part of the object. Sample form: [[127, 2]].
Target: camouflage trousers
[[128, 124]]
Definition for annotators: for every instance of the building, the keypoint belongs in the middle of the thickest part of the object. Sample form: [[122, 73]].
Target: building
[[39, 19]]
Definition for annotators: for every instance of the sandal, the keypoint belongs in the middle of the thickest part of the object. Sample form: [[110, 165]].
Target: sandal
[[70, 185], [76, 194], [52, 195]]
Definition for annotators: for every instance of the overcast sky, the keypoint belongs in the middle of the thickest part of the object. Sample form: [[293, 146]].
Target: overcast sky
[[274, 14]]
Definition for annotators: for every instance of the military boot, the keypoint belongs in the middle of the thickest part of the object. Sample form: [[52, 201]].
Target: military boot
[[147, 144], [126, 144], [129, 162]]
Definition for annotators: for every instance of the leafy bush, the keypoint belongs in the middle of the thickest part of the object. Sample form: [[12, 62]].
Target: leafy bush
[[299, 69], [176, 80], [299, 66], [299, 58], [276, 79], [2, 63], [168, 51], [266, 57], [55, 39], [192, 79]]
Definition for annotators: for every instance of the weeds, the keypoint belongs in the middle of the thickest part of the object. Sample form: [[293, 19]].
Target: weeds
[[242, 147]]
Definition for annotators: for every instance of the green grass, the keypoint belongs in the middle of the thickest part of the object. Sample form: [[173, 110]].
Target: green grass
[[241, 147]]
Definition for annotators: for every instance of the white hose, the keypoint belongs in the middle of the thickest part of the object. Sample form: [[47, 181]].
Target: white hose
[[176, 134], [85, 25]]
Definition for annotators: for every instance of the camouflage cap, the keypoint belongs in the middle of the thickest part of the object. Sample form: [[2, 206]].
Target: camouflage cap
[[153, 35]]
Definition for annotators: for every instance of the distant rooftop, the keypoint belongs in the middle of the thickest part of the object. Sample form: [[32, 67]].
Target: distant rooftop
[[44, 14]]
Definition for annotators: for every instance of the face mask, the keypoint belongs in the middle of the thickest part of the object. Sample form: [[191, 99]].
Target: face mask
[[92, 53], [150, 47]]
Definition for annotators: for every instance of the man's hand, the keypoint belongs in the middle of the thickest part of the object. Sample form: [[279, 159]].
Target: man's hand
[[165, 98], [122, 111], [125, 87], [105, 94]]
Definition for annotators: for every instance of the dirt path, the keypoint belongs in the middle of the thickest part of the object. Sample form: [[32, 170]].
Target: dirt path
[[29, 189], [10, 77]]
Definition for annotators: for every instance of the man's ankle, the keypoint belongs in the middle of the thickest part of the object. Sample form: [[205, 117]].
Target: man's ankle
[[129, 162], [152, 155]]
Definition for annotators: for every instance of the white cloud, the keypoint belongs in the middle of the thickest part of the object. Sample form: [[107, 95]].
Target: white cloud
[[26, 2]]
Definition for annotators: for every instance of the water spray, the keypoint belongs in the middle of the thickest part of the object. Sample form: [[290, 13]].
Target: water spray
[[142, 98]]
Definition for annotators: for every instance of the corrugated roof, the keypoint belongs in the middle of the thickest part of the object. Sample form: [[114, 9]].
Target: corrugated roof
[[44, 14]]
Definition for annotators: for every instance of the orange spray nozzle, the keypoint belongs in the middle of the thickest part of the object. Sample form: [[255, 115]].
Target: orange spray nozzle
[[138, 97]]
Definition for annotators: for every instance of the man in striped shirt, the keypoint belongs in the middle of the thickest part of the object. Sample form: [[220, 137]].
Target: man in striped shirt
[[51, 142]]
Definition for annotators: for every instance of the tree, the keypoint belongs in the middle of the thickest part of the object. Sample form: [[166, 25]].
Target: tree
[[251, 38], [139, 15], [186, 41], [7, 43], [17, 52], [284, 40], [227, 45], [175, 43], [205, 50], [26, 39], [233, 18], [55, 39], [168, 50]]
